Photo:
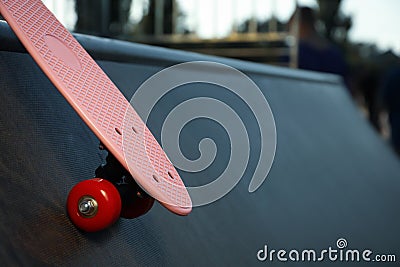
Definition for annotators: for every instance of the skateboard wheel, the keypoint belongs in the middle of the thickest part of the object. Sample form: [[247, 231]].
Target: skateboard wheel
[[136, 207], [94, 205]]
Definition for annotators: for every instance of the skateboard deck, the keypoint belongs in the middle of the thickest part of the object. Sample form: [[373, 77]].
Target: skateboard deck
[[97, 100]]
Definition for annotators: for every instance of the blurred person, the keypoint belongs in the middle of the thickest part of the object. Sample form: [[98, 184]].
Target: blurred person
[[368, 81], [315, 52], [391, 98]]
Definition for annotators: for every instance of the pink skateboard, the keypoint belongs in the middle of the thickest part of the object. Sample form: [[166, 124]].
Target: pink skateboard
[[95, 204]]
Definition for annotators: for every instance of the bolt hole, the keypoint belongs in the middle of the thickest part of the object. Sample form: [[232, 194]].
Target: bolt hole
[[155, 178], [170, 175], [134, 129], [118, 131]]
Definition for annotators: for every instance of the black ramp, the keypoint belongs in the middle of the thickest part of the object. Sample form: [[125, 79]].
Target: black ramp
[[333, 177]]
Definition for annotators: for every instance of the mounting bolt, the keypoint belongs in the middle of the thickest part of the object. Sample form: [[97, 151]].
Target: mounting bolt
[[87, 206]]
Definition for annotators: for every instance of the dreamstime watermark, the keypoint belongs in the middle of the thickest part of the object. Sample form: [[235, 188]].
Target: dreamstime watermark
[[340, 253], [156, 87]]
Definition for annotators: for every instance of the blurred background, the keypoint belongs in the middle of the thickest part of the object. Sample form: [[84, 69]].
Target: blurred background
[[358, 40]]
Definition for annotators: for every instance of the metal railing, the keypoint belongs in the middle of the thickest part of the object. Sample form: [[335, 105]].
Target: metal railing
[[65, 12]]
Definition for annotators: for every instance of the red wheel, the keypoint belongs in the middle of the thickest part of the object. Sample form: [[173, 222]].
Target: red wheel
[[94, 204], [135, 207]]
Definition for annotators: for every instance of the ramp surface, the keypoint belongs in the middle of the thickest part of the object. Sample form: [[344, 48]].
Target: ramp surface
[[332, 178]]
